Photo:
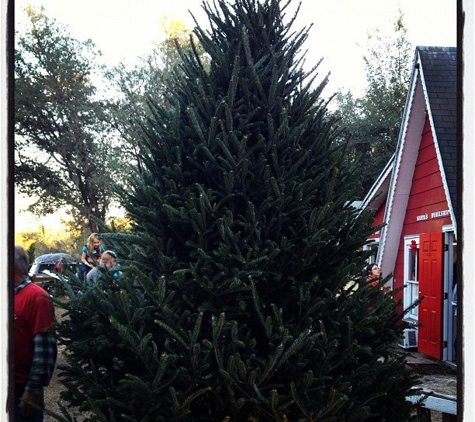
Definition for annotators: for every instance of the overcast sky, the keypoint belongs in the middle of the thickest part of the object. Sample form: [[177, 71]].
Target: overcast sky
[[126, 29]]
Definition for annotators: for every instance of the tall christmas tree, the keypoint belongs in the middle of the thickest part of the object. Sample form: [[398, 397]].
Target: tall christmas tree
[[239, 300]]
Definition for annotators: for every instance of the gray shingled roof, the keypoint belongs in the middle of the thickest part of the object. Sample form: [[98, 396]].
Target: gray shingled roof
[[439, 68]]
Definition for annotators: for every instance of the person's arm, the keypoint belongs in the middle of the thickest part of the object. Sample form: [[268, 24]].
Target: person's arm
[[91, 275], [45, 351], [84, 259]]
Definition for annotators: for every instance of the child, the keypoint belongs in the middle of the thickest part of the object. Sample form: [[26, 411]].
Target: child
[[91, 254]]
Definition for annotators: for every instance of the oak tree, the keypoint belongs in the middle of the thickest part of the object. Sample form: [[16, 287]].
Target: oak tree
[[65, 156]]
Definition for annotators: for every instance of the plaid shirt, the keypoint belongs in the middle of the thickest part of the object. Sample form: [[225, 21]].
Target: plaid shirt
[[45, 351]]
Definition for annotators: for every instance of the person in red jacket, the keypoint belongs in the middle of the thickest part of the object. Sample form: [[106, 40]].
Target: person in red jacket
[[35, 344], [373, 274]]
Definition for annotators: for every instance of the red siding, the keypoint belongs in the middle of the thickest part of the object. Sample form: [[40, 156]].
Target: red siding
[[427, 208], [427, 194]]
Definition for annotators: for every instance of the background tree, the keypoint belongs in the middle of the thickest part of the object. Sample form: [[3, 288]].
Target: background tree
[[373, 121], [150, 78], [64, 155], [43, 241], [238, 299]]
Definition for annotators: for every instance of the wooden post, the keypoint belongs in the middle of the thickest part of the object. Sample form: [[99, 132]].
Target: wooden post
[[423, 414], [447, 417]]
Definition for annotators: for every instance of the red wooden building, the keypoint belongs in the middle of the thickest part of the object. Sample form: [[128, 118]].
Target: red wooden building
[[416, 198]]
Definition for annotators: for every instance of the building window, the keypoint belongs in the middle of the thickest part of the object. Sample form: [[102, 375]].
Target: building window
[[373, 247], [411, 276]]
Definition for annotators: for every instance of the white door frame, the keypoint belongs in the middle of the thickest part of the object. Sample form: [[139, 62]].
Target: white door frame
[[450, 308]]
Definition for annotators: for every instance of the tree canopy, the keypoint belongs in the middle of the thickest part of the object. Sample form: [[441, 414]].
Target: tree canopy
[[75, 141], [65, 156], [372, 121], [149, 78]]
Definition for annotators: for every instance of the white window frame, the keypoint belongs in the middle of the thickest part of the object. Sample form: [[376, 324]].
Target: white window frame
[[411, 279], [373, 245]]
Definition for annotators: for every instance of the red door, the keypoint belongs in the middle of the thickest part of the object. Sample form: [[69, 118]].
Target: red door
[[431, 249]]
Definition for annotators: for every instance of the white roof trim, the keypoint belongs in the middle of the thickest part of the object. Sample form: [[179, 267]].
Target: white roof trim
[[406, 155], [379, 187]]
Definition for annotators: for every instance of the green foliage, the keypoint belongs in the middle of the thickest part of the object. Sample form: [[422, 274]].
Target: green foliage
[[63, 154], [372, 122], [238, 299], [150, 78]]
